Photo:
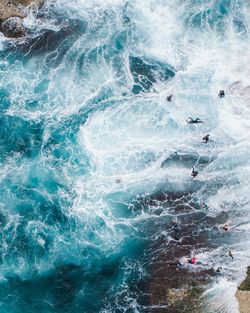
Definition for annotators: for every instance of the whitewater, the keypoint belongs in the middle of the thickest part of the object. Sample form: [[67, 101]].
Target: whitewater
[[95, 163]]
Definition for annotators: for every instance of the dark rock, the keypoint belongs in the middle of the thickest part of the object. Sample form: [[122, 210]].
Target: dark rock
[[245, 285], [13, 27]]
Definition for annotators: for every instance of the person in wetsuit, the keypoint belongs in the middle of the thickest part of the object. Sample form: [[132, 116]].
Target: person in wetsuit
[[194, 172], [206, 138], [221, 94], [225, 227], [169, 98], [190, 120], [193, 260], [230, 254], [219, 269]]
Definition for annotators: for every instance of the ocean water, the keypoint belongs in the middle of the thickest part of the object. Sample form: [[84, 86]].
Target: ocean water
[[95, 164]]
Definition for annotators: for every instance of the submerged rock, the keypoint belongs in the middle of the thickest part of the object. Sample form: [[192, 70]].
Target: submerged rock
[[12, 13]]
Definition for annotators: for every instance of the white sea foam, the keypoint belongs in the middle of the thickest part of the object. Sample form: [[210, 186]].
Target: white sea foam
[[131, 140]]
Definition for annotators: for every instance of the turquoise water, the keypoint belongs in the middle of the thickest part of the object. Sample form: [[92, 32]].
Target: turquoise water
[[95, 163]]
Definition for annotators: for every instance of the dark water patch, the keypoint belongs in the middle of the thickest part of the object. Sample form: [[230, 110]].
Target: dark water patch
[[216, 16], [158, 203], [63, 140], [19, 135], [37, 200], [120, 40], [51, 15], [49, 43], [51, 213], [31, 104], [68, 287], [119, 205], [21, 244], [224, 7], [52, 40], [187, 160], [43, 293], [173, 202], [147, 72], [240, 26], [62, 144], [3, 219], [4, 100], [48, 211], [103, 55]]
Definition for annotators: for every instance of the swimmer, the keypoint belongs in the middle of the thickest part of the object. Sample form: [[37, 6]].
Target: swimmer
[[225, 227], [221, 94], [203, 205], [229, 253], [169, 98], [175, 222], [193, 260], [206, 138], [190, 120], [118, 180], [194, 172]]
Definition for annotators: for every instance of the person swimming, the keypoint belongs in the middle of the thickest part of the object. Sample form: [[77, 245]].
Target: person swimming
[[221, 94], [194, 172], [193, 260], [225, 227], [205, 138], [169, 98], [230, 254], [190, 120], [203, 205]]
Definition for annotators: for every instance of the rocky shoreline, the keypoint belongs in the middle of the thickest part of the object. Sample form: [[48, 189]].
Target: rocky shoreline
[[12, 13], [243, 294]]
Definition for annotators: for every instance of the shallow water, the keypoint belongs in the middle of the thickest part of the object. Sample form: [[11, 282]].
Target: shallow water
[[95, 163]]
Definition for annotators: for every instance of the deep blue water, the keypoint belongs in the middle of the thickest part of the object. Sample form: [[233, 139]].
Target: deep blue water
[[95, 164]]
